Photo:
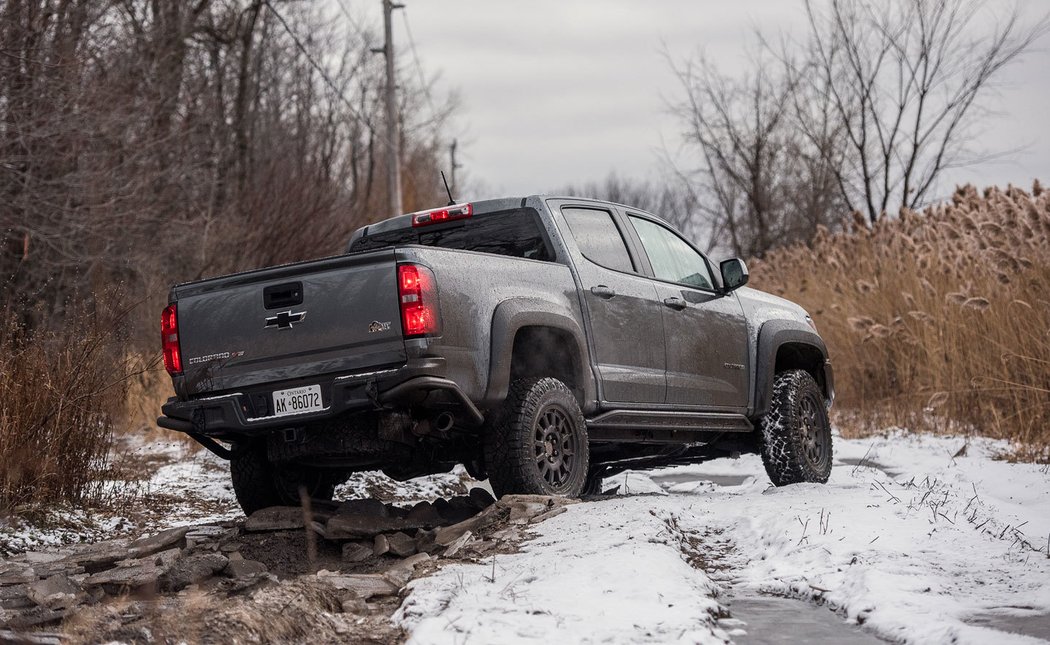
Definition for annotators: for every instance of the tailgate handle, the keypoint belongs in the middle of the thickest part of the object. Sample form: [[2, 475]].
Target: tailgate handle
[[283, 295]]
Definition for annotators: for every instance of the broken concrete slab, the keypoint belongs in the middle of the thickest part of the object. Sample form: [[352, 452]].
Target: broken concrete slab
[[193, 569], [243, 568], [365, 585], [136, 574], [36, 638], [349, 527], [55, 592], [425, 515], [446, 535], [522, 512], [458, 544], [368, 506], [356, 552], [481, 498], [276, 518], [381, 545], [14, 597], [14, 573], [171, 538], [401, 544], [99, 556]]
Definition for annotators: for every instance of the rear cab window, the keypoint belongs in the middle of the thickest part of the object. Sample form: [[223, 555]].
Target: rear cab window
[[516, 233]]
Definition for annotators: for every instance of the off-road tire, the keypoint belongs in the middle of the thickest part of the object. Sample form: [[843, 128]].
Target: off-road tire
[[515, 451], [796, 433], [259, 484]]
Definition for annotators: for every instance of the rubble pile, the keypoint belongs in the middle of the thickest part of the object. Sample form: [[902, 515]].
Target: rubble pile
[[372, 551]]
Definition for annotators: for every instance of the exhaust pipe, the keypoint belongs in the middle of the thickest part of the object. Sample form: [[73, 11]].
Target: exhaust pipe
[[444, 422]]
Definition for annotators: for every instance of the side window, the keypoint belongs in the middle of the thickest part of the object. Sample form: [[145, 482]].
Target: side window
[[598, 238], [672, 258]]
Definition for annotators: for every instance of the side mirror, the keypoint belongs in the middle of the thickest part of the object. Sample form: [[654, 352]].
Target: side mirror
[[734, 274]]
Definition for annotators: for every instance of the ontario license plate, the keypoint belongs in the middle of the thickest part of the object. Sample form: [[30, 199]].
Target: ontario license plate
[[297, 400]]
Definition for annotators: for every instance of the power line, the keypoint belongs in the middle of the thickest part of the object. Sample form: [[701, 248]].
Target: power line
[[419, 68], [320, 70]]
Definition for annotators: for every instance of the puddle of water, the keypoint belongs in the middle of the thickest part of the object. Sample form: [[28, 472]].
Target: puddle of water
[[1037, 626], [769, 620], [670, 479]]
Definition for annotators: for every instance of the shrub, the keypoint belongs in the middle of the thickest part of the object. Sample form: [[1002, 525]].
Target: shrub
[[935, 319], [61, 391]]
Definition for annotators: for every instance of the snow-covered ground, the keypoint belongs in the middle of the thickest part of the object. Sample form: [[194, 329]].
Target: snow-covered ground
[[911, 538]]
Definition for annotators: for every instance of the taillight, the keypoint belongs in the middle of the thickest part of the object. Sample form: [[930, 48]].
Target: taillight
[[417, 292], [446, 214], [169, 339]]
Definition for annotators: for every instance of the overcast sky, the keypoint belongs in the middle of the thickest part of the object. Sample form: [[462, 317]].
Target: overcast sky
[[557, 92]]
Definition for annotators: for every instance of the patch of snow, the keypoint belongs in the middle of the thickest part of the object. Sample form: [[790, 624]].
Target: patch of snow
[[911, 556]]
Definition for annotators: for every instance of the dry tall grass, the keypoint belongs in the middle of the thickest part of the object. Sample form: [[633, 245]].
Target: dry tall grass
[[61, 391], [937, 320]]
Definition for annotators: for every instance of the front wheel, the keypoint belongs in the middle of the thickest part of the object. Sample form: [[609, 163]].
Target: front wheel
[[796, 433], [537, 441]]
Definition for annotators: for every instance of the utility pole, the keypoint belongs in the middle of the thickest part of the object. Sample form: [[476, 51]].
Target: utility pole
[[393, 138], [453, 165]]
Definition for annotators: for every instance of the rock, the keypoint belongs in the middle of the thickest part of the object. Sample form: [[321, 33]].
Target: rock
[[381, 546], [369, 506], [411, 561], [319, 528], [36, 638], [348, 527], [172, 538], [441, 505], [398, 576], [276, 518], [458, 544], [243, 568], [14, 597], [208, 536], [481, 498], [36, 617], [56, 592], [446, 535], [365, 585], [425, 514], [193, 569], [460, 508], [13, 573], [235, 555], [231, 547], [136, 574], [401, 544], [40, 558], [425, 542], [353, 604], [356, 552], [99, 556], [543, 517], [522, 512]]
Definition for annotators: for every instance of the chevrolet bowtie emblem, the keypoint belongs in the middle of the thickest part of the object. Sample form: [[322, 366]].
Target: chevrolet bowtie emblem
[[285, 319]]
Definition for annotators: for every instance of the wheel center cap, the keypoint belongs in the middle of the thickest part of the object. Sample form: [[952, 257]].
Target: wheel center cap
[[548, 448]]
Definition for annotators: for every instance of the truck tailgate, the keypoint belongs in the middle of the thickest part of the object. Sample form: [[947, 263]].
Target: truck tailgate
[[338, 314]]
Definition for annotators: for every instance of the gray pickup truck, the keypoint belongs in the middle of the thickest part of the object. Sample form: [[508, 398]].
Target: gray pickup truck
[[543, 342]]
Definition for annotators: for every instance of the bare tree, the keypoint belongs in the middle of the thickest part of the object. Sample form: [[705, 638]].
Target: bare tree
[[904, 81], [758, 183]]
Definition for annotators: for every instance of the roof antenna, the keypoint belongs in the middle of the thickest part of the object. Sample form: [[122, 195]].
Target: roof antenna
[[451, 201]]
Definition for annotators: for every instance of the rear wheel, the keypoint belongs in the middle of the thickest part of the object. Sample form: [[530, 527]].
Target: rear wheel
[[258, 483], [796, 433], [537, 441]]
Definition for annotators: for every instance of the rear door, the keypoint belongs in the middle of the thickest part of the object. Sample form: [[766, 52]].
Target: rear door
[[622, 307], [705, 332]]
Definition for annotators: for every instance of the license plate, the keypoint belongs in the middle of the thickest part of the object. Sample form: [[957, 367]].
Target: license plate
[[297, 400]]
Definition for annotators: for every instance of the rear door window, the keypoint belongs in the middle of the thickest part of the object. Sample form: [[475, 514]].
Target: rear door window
[[598, 237]]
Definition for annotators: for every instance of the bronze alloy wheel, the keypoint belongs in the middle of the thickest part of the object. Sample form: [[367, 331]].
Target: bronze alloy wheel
[[556, 446]]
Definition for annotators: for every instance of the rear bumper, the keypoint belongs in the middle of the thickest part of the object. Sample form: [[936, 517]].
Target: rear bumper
[[237, 413]]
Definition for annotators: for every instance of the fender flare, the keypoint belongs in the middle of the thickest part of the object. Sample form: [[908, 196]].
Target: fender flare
[[772, 336], [512, 315]]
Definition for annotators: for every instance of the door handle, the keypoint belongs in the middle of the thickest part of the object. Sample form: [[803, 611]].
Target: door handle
[[676, 303], [603, 291]]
